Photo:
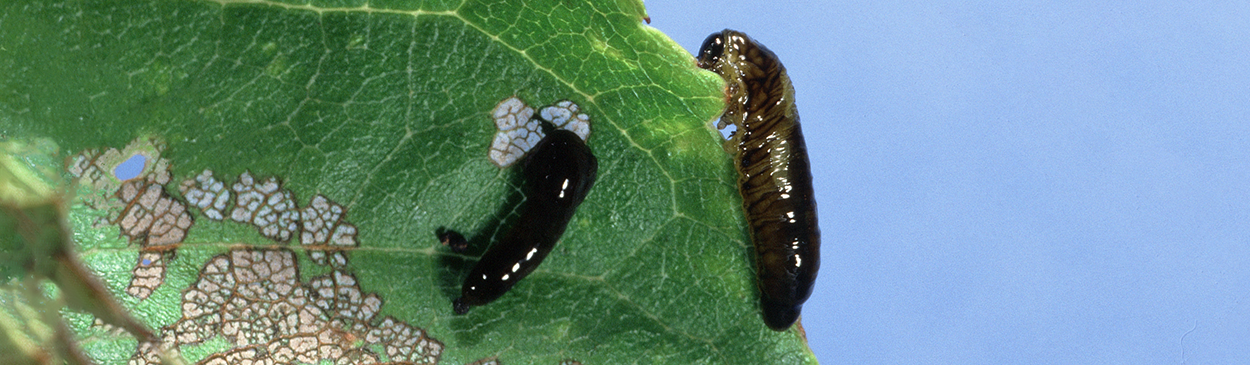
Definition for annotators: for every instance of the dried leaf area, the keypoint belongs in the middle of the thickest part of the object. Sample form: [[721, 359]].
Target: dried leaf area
[[206, 193], [266, 205], [517, 134], [321, 226], [568, 116], [149, 274], [151, 216], [138, 205], [147, 213], [256, 301], [252, 299], [518, 130]]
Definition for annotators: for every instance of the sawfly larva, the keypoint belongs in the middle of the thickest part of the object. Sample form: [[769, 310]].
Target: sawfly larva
[[774, 176], [558, 173]]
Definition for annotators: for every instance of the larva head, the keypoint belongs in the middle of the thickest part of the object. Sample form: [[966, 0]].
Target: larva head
[[712, 50], [723, 48], [560, 170]]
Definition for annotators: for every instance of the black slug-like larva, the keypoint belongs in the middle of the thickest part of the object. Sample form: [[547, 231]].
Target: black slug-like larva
[[774, 177], [558, 173]]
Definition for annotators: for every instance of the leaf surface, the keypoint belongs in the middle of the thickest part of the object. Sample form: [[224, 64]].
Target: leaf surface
[[383, 111]]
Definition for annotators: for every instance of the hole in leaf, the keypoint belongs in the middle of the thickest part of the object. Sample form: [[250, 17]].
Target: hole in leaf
[[726, 132], [130, 168]]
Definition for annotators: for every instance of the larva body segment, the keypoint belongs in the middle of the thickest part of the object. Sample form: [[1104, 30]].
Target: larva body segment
[[558, 173], [774, 176]]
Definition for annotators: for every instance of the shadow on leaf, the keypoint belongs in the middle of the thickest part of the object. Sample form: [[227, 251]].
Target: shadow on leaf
[[455, 266]]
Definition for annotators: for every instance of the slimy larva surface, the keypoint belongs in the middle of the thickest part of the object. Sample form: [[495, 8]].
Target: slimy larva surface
[[558, 173], [774, 176]]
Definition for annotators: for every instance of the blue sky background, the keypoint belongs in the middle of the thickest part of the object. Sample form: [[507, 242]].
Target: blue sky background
[[1026, 182]]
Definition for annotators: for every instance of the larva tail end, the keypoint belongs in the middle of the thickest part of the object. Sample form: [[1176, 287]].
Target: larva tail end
[[452, 239], [460, 307], [779, 316]]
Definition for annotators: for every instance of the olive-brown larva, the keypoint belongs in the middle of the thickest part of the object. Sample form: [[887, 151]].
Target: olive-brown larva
[[774, 176]]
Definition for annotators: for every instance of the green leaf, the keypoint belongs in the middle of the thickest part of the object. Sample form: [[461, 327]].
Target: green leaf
[[383, 111]]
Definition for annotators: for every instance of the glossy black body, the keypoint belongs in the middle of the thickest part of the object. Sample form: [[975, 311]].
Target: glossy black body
[[774, 175], [558, 173]]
